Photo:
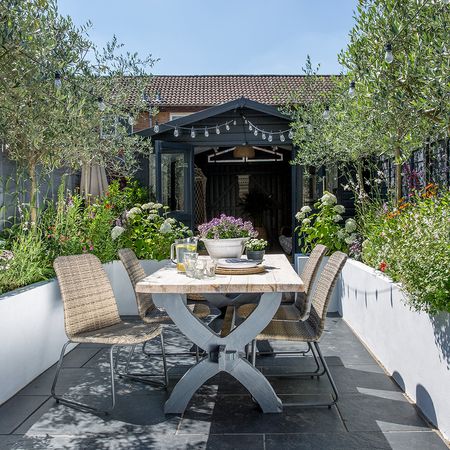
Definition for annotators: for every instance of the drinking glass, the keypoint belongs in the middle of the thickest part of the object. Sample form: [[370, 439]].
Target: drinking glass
[[210, 267], [189, 262]]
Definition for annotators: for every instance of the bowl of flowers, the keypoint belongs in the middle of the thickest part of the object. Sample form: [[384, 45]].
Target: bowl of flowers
[[225, 236]]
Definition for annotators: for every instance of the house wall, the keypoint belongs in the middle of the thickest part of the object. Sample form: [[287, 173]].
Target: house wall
[[163, 116]]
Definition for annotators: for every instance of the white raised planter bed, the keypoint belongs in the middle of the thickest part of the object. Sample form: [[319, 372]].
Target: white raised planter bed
[[414, 347], [32, 326]]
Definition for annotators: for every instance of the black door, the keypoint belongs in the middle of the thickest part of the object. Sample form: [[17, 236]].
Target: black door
[[175, 179]]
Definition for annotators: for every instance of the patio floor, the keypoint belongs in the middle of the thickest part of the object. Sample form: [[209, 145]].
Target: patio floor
[[372, 411]]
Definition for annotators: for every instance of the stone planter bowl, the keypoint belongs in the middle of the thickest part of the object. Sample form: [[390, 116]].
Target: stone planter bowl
[[225, 248]]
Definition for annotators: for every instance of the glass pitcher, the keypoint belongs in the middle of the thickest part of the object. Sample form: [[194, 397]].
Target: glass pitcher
[[179, 248]]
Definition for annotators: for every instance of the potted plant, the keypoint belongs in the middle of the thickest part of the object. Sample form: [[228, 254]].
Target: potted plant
[[225, 236], [255, 249]]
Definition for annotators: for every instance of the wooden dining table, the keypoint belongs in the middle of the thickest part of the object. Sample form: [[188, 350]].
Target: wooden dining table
[[169, 289]]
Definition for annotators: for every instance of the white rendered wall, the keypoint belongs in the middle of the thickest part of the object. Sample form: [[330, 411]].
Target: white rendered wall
[[414, 347]]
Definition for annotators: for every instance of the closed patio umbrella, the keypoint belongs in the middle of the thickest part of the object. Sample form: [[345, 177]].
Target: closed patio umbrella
[[93, 180]]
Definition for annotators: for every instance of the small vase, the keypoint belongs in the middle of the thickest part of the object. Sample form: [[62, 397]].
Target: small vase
[[225, 248], [256, 255]]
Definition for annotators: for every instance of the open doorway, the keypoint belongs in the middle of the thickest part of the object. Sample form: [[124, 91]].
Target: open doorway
[[258, 188]]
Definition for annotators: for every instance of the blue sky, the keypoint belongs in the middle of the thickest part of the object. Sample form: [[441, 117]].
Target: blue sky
[[222, 36]]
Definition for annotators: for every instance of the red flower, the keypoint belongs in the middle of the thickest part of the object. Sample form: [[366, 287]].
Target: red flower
[[382, 266]]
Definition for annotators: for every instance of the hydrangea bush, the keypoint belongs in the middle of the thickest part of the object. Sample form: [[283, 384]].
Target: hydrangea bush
[[325, 225], [411, 244], [149, 231], [227, 227]]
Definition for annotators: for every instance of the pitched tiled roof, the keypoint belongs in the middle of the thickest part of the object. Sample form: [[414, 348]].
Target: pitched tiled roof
[[209, 90]]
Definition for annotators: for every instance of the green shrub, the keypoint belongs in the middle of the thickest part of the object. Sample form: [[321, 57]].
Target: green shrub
[[27, 261], [411, 244], [325, 225]]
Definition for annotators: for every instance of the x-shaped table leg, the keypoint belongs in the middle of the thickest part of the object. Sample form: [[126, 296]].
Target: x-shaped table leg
[[224, 353]]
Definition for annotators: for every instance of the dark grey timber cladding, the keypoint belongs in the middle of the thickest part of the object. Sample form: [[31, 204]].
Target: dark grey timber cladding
[[14, 185]]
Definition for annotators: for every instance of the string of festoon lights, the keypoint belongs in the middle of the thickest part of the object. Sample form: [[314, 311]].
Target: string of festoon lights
[[217, 129]]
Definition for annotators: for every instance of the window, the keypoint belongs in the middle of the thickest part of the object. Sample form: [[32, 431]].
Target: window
[[177, 115]]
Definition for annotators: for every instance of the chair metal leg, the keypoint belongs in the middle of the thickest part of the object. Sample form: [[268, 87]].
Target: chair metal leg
[[330, 378], [163, 353], [144, 377], [254, 353], [77, 405], [187, 353], [197, 354]]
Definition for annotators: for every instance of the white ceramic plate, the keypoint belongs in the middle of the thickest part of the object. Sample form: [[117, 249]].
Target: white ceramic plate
[[236, 263]]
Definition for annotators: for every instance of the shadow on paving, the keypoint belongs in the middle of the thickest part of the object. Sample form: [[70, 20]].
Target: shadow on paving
[[372, 412]]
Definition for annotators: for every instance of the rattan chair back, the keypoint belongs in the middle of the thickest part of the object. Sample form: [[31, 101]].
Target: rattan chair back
[[312, 265], [322, 293], [88, 299], [308, 275], [136, 273]]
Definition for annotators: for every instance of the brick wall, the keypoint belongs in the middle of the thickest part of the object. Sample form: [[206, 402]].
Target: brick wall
[[163, 116]]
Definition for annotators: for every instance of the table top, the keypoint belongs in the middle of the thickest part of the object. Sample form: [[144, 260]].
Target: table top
[[279, 277]]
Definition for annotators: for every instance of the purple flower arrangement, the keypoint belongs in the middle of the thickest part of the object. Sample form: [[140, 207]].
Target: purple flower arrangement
[[227, 227]]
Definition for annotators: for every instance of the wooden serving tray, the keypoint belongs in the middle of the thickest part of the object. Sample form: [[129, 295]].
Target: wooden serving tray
[[244, 271]]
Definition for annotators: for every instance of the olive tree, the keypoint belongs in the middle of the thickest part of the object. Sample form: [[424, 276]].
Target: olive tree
[[60, 108], [399, 61]]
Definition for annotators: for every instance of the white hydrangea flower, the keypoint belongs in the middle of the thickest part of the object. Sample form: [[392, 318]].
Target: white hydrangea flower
[[341, 234], [339, 209], [350, 239], [150, 205], [152, 216], [306, 221], [133, 212], [337, 218], [165, 228], [157, 205], [116, 232], [305, 209], [328, 199], [170, 220], [299, 216], [350, 225]]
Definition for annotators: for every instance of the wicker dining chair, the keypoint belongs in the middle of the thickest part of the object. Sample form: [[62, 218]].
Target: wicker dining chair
[[310, 330], [91, 317], [148, 312], [299, 310]]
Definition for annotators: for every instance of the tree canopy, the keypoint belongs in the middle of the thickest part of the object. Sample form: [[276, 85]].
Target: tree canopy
[[63, 101]]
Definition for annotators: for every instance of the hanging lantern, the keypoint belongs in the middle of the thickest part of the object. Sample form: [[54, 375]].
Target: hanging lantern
[[244, 151]]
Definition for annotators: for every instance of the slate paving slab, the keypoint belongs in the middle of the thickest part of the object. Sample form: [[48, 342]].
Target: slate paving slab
[[372, 411], [355, 441]]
